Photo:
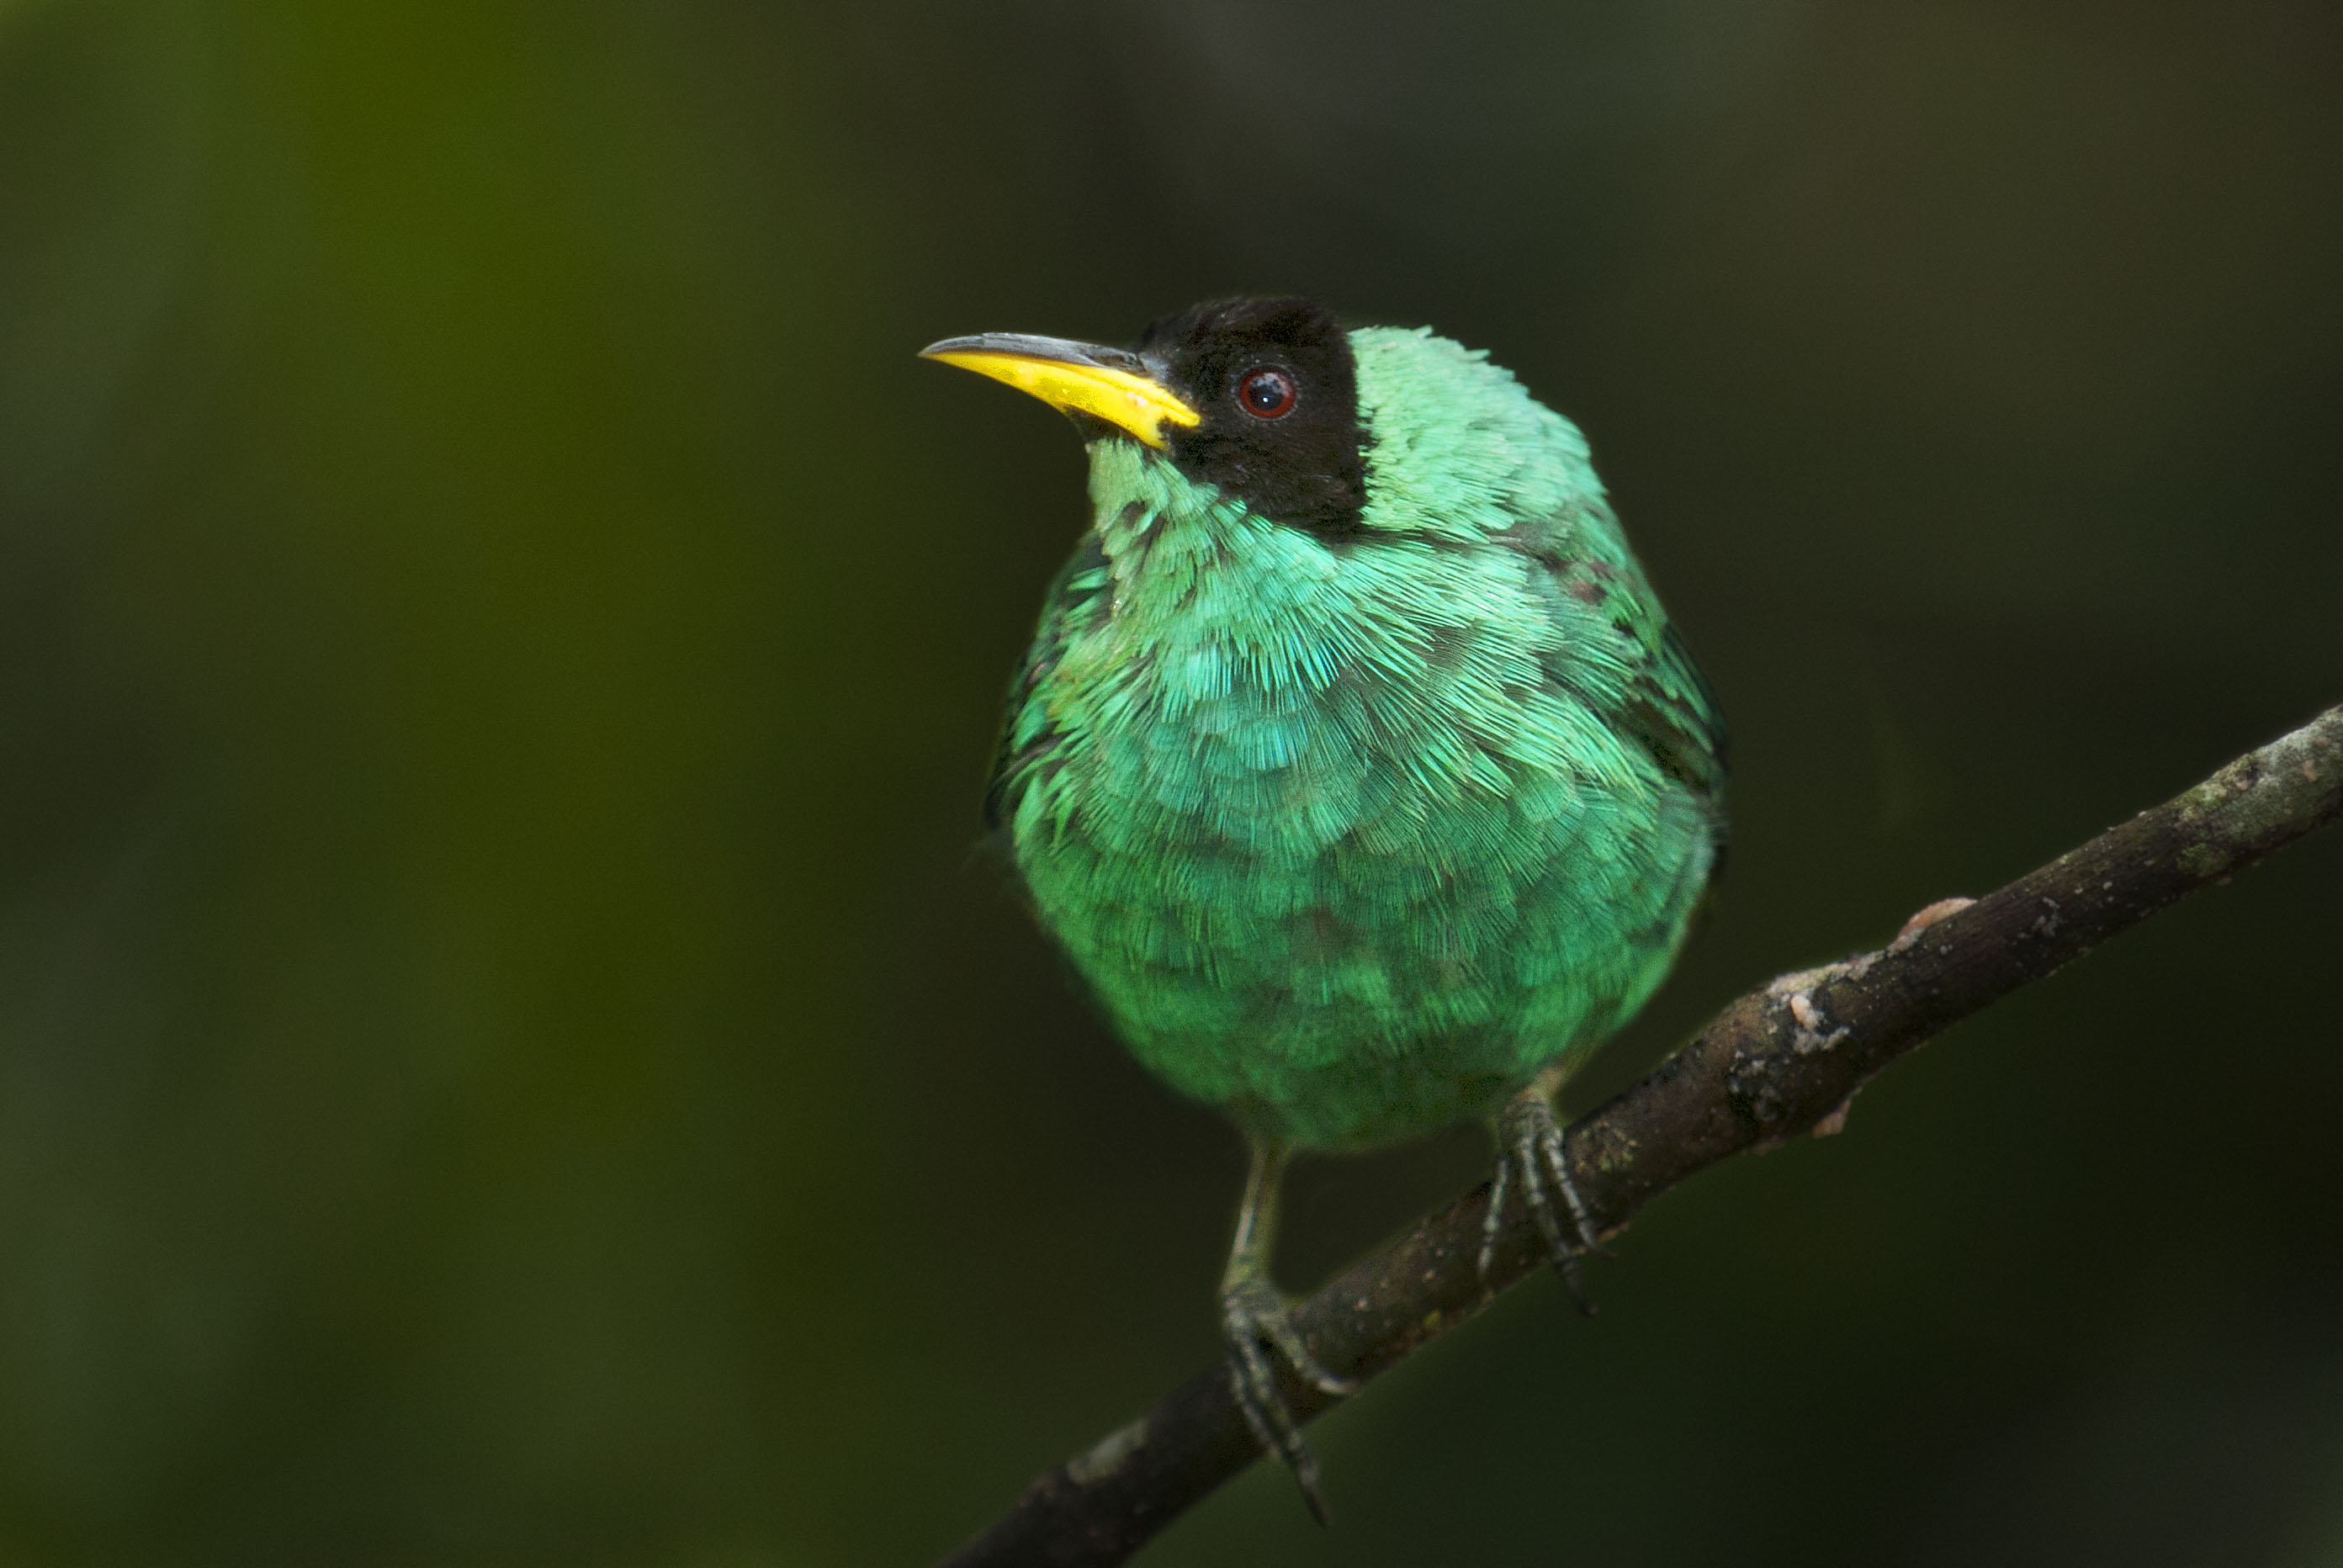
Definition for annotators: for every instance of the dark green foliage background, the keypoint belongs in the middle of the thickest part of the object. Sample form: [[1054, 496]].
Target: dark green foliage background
[[506, 1055]]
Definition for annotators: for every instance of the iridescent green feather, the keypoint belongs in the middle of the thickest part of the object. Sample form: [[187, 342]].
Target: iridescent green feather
[[1350, 838]]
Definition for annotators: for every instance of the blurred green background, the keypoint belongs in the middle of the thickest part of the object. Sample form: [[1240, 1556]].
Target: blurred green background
[[507, 1055]]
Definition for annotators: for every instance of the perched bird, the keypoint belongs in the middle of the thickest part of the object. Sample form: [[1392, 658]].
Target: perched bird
[[1355, 764]]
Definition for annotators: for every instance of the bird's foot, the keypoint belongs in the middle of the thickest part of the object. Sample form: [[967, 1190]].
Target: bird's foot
[[1530, 1150], [1255, 1322]]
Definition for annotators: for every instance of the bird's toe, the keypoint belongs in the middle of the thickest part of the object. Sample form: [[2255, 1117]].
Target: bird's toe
[[1257, 1325], [1534, 1155]]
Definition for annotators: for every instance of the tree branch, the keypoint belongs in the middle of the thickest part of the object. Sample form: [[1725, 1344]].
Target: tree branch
[[1771, 1065]]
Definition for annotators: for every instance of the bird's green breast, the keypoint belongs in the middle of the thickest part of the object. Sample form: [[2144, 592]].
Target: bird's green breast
[[1351, 838]]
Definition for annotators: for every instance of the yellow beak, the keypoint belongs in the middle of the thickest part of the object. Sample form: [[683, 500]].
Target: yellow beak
[[1109, 384]]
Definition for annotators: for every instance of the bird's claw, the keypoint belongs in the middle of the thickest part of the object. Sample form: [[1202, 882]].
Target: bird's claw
[[1256, 1319], [1531, 1150]]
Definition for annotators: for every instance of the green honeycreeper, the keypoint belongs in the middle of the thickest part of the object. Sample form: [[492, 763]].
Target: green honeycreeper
[[1354, 765]]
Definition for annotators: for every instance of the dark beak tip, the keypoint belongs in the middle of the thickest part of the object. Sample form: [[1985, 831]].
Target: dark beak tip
[[1051, 351]]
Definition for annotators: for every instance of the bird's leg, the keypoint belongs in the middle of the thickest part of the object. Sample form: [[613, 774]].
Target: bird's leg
[[1255, 1319], [1531, 1151]]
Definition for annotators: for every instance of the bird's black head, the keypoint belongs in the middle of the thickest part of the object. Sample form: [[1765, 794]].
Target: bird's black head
[[1257, 396], [1278, 391]]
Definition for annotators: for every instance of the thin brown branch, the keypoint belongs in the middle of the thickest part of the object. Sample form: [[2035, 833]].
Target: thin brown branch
[[1771, 1065]]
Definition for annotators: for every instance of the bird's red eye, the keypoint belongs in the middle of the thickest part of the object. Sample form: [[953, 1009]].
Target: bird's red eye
[[1266, 393]]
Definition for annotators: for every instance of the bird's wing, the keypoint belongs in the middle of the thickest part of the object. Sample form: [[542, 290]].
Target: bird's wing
[[1081, 594], [1674, 712], [1646, 683]]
